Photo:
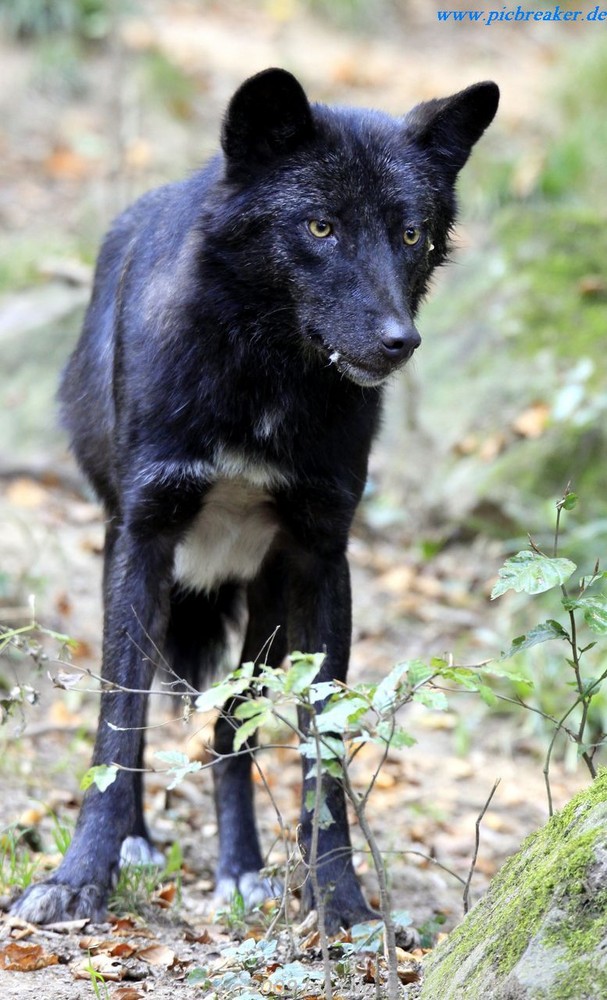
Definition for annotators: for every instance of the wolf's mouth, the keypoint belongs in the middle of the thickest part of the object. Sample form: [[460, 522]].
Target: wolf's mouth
[[363, 375]]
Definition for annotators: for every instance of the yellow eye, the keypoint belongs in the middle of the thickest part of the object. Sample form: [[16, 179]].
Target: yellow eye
[[411, 236], [320, 228]]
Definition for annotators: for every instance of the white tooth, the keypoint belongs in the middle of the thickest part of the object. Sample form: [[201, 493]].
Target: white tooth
[[334, 358]]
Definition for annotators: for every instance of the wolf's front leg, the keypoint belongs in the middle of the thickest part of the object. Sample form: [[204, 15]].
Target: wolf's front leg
[[320, 620], [136, 583]]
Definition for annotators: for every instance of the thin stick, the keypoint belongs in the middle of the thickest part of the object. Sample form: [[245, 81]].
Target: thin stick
[[477, 840]]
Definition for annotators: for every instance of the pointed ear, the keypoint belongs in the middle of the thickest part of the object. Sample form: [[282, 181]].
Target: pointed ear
[[268, 116], [448, 128]]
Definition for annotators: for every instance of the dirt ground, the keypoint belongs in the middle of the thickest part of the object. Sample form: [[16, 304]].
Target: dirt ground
[[427, 798]]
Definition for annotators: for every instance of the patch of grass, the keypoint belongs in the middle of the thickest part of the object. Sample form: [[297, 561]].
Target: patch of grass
[[137, 884], [84, 19], [17, 866]]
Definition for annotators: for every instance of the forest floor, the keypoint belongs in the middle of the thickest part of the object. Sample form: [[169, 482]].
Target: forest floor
[[64, 167]]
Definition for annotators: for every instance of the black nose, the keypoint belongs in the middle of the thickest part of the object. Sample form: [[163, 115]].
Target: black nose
[[399, 340]]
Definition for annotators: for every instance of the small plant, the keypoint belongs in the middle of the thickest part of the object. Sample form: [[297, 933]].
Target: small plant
[[83, 19], [243, 967], [16, 644], [138, 883], [98, 983], [532, 572], [17, 866]]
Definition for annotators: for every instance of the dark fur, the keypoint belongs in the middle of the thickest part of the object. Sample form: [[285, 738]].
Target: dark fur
[[225, 343]]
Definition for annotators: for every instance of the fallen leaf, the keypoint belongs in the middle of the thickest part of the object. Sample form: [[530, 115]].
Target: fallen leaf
[[24, 492], [368, 969], [32, 816], [105, 965], [404, 956], [593, 285], [128, 926], [66, 164], [532, 422], [194, 937], [127, 993], [492, 446], [157, 954], [165, 896], [67, 926], [408, 974], [26, 958]]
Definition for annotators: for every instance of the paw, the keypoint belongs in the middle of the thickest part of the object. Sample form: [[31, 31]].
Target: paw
[[53, 902], [345, 904], [254, 888], [139, 851]]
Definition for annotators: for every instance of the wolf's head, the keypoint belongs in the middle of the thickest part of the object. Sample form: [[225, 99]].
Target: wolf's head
[[335, 218]]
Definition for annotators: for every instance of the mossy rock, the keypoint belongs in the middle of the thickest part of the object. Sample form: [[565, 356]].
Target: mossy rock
[[540, 933]]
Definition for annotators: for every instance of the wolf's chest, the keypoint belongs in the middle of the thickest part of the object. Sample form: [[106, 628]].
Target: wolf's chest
[[230, 536]]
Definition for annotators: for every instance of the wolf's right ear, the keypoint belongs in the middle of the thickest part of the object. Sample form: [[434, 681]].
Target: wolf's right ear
[[268, 116], [447, 129]]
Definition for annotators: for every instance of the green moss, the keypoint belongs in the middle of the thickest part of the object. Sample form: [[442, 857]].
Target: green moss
[[548, 875]]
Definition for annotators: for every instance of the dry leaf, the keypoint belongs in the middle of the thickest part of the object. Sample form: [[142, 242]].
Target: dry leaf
[[26, 958], [66, 164], [592, 284], [105, 965], [408, 974], [492, 446], [157, 954], [369, 970], [67, 926], [165, 896], [24, 492], [125, 926], [203, 937], [532, 422], [404, 956], [127, 993], [32, 816]]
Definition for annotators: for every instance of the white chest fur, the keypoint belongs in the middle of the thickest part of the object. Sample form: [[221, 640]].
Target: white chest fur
[[229, 537]]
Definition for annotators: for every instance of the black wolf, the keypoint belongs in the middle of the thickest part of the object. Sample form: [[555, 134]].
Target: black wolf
[[222, 401]]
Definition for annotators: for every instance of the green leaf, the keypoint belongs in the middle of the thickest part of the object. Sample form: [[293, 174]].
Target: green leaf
[[304, 668], [179, 763], [199, 977], [398, 682], [339, 716], [488, 696], [418, 672], [250, 726], [294, 975], [588, 581], [101, 775], [550, 629], [331, 748], [218, 694], [397, 737], [386, 691], [323, 690], [514, 676], [431, 698], [594, 610], [569, 501], [325, 819], [252, 706], [531, 573], [463, 676]]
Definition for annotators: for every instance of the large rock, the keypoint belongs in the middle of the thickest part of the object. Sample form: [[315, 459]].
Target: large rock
[[540, 933]]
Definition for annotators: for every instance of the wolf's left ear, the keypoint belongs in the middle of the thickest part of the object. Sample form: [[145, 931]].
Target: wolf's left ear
[[448, 128], [268, 116]]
